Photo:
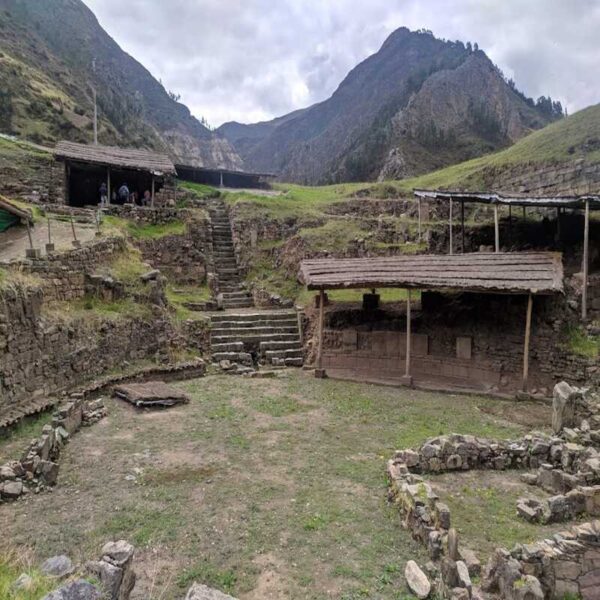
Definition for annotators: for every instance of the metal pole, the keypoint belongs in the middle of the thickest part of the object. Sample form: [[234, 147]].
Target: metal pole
[[152, 191], [451, 232], [49, 234], [527, 338], [510, 233], [586, 260], [108, 185], [496, 228]]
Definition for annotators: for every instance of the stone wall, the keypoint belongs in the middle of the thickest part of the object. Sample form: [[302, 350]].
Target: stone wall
[[464, 340], [41, 355], [63, 275]]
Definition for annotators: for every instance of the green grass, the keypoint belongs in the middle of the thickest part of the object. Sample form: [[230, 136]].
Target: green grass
[[146, 231], [582, 344], [91, 306], [278, 479], [334, 236], [13, 442], [11, 567], [201, 190], [178, 295]]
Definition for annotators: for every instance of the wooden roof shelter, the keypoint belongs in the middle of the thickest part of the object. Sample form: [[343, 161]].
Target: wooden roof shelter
[[525, 273], [507, 273], [113, 156], [582, 202]]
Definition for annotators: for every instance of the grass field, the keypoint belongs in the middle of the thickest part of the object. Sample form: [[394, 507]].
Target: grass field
[[269, 488]]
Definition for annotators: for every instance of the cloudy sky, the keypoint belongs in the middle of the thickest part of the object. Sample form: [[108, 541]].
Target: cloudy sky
[[251, 60]]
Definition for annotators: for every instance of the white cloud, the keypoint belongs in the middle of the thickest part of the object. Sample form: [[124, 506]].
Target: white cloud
[[256, 59]]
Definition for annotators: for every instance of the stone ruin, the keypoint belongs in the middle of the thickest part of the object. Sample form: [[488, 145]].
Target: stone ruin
[[566, 464]]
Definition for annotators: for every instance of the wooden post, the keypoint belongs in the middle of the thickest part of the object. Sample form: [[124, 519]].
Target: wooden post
[[407, 379], [496, 228], [586, 260], [49, 245], [319, 371], [66, 183], [527, 340], [558, 235], [524, 212], [108, 185], [462, 224], [451, 231], [29, 234], [510, 232], [152, 202], [419, 218]]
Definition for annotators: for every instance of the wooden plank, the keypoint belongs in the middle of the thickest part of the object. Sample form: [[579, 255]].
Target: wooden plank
[[586, 260], [527, 341]]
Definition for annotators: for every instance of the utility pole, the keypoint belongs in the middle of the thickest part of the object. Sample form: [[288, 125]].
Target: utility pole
[[95, 104]]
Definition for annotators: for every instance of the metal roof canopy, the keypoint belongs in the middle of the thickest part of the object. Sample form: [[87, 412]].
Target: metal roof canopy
[[116, 157], [513, 199], [502, 273], [224, 171]]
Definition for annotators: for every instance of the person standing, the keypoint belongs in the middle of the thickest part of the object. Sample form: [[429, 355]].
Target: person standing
[[124, 193], [103, 195]]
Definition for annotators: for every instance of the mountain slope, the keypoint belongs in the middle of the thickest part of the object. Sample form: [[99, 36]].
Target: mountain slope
[[418, 104], [562, 158], [46, 78]]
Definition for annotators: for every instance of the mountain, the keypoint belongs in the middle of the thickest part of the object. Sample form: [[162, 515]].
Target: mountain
[[418, 104], [561, 158], [46, 53]]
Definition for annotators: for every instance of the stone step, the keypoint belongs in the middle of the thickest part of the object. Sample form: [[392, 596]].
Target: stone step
[[241, 357], [282, 354], [228, 347], [254, 338], [264, 346], [238, 303], [261, 330], [239, 324], [255, 316], [294, 362]]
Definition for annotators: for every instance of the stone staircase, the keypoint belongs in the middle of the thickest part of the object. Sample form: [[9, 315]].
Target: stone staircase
[[228, 276], [267, 337]]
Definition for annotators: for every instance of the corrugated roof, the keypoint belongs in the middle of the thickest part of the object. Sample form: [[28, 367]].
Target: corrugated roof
[[223, 170], [125, 158], [513, 199], [504, 273]]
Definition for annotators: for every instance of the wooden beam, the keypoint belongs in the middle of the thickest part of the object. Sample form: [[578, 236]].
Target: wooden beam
[[496, 229], [510, 231], [108, 185], [527, 341], [152, 191], [407, 375], [66, 183], [319, 372], [586, 260], [451, 248]]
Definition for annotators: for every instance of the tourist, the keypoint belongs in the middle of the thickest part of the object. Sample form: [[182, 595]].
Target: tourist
[[103, 194], [124, 193], [147, 199]]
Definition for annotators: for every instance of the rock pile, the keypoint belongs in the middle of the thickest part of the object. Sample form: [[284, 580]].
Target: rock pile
[[38, 467]]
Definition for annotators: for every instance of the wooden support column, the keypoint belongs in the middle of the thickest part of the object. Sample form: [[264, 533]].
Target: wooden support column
[[496, 229], [462, 224], [407, 379], [66, 183], [451, 248], [108, 185], [586, 260], [510, 232], [152, 191], [419, 218], [320, 371], [527, 341]]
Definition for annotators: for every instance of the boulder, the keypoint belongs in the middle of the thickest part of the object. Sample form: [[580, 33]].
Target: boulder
[[118, 553], [11, 490], [528, 588], [202, 592], [58, 566], [563, 408], [75, 590], [464, 580], [416, 580], [6, 473], [453, 544]]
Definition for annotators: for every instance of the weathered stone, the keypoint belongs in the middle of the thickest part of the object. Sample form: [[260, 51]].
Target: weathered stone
[[48, 471], [470, 559], [118, 553], [11, 490], [563, 409], [108, 575], [58, 566], [416, 580], [202, 592], [453, 552], [528, 588], [6, 473], [462, 572], [75, 590]]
